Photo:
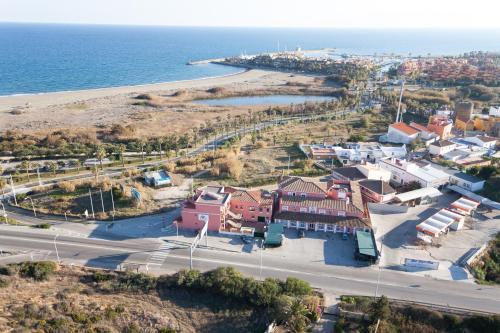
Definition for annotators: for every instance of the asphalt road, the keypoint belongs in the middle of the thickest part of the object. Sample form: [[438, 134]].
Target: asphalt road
[[334, 280]]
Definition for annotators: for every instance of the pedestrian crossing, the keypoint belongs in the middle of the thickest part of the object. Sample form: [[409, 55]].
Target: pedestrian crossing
[[159, 256]]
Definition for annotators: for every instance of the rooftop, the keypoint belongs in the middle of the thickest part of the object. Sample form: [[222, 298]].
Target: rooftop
[[253, 196], [212, 195], [442, 143], [419, 127], [342, 221], [351, 173], [297, 184], [366, 244], [467, 177], [377, 186], [326, 203], [402, 127]]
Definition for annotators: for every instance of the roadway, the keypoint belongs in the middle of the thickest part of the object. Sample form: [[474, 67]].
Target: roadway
[[333, 280]]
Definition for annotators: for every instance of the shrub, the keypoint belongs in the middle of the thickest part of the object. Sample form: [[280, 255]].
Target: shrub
[[67, 187], [260, 144], [98, 276], [4, 282], [136, 281], [170, 167], [38, 271], [296, 287], [6, 270]]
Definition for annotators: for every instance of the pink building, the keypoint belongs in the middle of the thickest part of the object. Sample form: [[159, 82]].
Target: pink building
[[210, 204], [296, 186], [324, 206], [253, 206]]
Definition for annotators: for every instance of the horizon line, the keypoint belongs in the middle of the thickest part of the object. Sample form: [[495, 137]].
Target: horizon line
[[254, 27]]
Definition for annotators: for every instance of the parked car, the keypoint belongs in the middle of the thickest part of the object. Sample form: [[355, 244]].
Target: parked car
[[301, 233], [345, 236]]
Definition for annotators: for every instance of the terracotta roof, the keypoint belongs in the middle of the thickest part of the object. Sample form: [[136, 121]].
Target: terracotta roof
[[325, 203], [419, 127], [297, 184], [377, 186], [402, 127], [351, 173], [256, 196], [442, 143], [351, 222]]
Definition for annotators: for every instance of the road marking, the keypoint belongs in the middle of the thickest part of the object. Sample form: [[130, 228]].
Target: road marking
[[159, 256]]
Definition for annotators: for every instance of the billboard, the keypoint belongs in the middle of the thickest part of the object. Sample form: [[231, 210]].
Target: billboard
[[136, 194]]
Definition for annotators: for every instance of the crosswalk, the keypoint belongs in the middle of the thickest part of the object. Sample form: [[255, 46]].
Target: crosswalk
[[159, 256]]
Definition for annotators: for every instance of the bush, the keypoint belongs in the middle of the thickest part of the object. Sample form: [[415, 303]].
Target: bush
[[6, 270], [67, 187], [136, 282], [296, 287], [99, 276], [38, 271], [4, 282]]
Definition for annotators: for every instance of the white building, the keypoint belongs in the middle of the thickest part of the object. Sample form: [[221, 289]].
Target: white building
[[441, 147], [482, 141], [401, 133], [404, 172], [367, 152], [466, 181]]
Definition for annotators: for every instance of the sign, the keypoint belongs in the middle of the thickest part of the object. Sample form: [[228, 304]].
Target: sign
[[86, 213], [203, 217], [422, 263], [136, 194]]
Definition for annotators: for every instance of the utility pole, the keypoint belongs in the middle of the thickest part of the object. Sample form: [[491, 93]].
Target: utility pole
[[112, 202], [32, 205], [4, 213], [13, 189], [57, 252], [379, 268], [91, 203], [102, 201], [38, 175], [261, 249], [400, 99]]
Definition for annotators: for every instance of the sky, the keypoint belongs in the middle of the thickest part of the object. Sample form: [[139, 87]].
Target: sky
[[260, 13]]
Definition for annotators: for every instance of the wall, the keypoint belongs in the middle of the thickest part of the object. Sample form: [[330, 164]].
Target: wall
[[245, 209], [191, 217]]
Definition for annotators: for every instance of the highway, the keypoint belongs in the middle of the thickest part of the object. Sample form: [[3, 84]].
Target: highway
[[334, 280]]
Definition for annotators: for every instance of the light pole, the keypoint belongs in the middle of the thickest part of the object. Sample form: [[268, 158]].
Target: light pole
[[261, 249], [4, 212], [32, 205], [177, 229], [57, 252], [13, 189], [379, 268]]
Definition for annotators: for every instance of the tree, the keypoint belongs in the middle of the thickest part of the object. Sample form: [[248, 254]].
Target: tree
[[100, 154], [487, 171], [380, 310], [51, 166], [25, 165], [298, 320], [121, 150], [3, 183]]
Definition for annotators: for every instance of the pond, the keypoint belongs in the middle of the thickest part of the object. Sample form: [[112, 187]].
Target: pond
[[264, 100]]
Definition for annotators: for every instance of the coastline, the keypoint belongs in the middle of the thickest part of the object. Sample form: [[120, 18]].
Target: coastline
[[8, 102]]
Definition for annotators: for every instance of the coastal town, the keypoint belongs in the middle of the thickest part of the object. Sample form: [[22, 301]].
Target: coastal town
[[381, 170]]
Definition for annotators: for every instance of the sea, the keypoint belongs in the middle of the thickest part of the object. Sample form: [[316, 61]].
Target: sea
[[41, 58]]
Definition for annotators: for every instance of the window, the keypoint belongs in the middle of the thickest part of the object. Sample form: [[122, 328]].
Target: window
[[268, 210], [329, 227], [284, 208], [303, 195], [322, 211], [251, 209], [260, 209], [302, 225], [303, 209], [341, 213], [293, 224]]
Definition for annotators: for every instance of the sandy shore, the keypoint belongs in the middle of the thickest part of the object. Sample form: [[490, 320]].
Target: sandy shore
[[48, 99], [97, 110]]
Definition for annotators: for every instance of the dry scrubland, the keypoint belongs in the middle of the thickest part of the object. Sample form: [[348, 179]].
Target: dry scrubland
[[45, 297], [150, 109]]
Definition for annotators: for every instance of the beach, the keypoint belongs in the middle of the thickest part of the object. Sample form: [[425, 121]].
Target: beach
[[95, 109]]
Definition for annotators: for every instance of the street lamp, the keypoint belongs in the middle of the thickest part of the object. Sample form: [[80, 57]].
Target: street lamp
[[379, 268], [4, 212], [32, 205], [57, 252], [261, 248]]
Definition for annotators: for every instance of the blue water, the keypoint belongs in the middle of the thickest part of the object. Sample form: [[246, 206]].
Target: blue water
[[37, 58], [268, 100]]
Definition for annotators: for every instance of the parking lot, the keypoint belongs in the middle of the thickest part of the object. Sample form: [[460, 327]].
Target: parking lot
[[397, 236]]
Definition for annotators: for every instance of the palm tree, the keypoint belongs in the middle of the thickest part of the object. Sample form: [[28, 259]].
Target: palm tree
[[100, 154], [142, 143], [26, 166], [121, 150]]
